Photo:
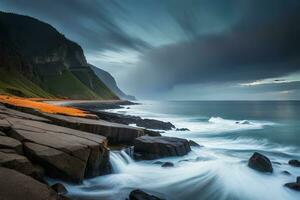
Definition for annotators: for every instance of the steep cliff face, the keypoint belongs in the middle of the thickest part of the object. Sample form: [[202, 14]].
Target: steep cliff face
[[44, 59], [111, 83]]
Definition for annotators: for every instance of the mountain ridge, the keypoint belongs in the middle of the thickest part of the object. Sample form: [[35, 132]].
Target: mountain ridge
[[111, 83], [38, 61]]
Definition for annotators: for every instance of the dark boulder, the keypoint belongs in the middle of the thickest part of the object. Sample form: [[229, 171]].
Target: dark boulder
[[294, 185], [129, 119], [141, 195], [294, 163], [194, 144], [167, 164], [260, 163], [59, 188], [182, 129], [154, 124], [150, 148], [286, 173], [158, 163]]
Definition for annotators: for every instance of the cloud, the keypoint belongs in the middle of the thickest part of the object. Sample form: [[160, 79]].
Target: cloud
[[258, 47], [155, 46], [92, 23]]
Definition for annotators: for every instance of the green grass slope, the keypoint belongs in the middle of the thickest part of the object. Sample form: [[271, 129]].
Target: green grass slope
[[89, 79], [12, 82]]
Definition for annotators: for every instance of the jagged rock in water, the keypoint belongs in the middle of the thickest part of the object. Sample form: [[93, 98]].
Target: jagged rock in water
[[182, 129], [286, 173], [260, 163], [15, 185], [294, 185], [167, 164], [194, 144], [141, 195], [154, 124], [147, 147], [59, 188], [129, 119], [294, 163]]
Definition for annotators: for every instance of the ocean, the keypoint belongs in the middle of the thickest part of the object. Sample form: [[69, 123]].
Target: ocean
[[229, 132]]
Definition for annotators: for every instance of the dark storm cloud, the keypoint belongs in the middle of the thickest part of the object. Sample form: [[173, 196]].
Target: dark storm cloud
[[264, 43], [205, 42], [90, 22]]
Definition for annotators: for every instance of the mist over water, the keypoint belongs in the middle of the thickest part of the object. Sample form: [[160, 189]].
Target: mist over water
[[230, 132]]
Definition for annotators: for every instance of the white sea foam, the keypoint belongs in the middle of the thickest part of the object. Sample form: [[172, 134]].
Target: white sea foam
[[212, 179], [217, 171]]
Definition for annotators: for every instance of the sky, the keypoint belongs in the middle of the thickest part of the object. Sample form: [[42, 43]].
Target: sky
[[184, 49]]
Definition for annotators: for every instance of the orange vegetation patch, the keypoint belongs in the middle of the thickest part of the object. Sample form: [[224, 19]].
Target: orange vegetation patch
[[41, 106]]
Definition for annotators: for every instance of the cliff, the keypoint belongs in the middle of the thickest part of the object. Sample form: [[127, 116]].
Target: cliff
[[38, 61], [111, 83]]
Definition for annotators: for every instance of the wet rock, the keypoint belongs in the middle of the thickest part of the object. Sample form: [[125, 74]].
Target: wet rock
[[21, 113], [158, 163], [286, 173], [15, 185], [260, 163], [294, 185], [115, 133], [194, 144], [63, 152], [129, 119], [276, 163], [245, 122], [4, 125], [154, 124], [141, 195], [10, 143], [149, 148], [167, 164], [59, 188], [182, 129], [294, 163], [152, 133], [16, 162]]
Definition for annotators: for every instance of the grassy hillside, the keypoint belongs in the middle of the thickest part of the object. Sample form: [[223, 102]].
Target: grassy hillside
[[12, 82], [38, 61], [87, 76]]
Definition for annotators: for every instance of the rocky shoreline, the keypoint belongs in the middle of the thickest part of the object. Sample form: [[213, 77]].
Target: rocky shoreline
[[35, 145]]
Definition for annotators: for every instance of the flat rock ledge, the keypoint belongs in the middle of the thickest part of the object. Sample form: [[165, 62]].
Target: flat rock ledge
[[61, 152], [114, 132], [148, 148], [15, 185]]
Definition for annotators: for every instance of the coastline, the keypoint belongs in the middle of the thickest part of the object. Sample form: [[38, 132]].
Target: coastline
[[71, 151], [59, 150]]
